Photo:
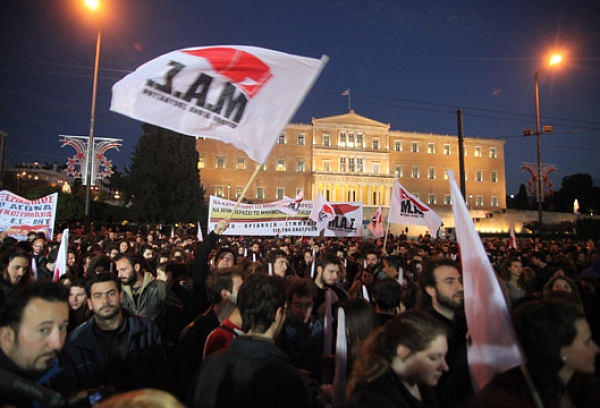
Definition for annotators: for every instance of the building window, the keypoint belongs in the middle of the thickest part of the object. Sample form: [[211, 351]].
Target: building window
[[238, 191], [280, 164], [300, 166], [415, 172], [446, 174], [200, 162], [448, 199], [351, 194], [375, 144], [494, 201], [414, 147], [351, 140], [432, 199], [325, 165], [241, 163], [325, 140], [375, 168], [219, 191], [359, 165], [301, 139], [430, 148], [280, 193], [397, 146], [342, 139], [260, 192], [431, 173], [417, 195], [447, 149], [327, 193], [494, 176], [398, 170], [220, 162], [351, 164], [342, 164], [479, 201], [281, 139], [493, 153], [359, 140], [478, 175], [477, 152]]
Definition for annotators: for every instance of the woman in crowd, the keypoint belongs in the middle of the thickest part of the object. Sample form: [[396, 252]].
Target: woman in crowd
[[513, 282], [556, 340], [400, 362], [558, 283]]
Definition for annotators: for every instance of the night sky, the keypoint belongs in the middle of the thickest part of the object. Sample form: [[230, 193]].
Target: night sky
[[410, 63]]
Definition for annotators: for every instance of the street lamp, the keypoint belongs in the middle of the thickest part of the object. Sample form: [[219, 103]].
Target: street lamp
[[554, 60], [93, 5]]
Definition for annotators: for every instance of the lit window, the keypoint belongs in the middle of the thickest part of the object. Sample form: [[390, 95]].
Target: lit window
[[325, 165], [477, 152], [415, 172], [375, 144], [397, 146], [300, 166], [398, 170], [342, 164], [494, 201], [219, 191], [351, 164], [431, 173], [220, 162], [280, 193], [479, 200], [241, 163], [260, 192], [493, 153], [325, 140], [414, 147], [359, 165], [351, 140], [430, 148], [478, 175], [342, 139], [494, 176], [281, 139], [446, 149], [201, 161], [280, 164], [448, 199], [432, 199], [301, 139], [238, 191], [359, 140]]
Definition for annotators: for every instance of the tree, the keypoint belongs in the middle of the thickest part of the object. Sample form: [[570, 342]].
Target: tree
[[163, 182], [521, 199], [576, 187]]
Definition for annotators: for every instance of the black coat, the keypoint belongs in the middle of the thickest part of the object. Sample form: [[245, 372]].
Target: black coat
[[253, 372]]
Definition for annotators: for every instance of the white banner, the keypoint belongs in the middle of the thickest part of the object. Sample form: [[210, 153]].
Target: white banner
[[409, 210], [268, 219], [19, 216], [238, 94]]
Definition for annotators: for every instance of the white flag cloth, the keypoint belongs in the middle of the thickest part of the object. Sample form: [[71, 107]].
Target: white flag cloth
[[494, 347], [199, 234], [60, 268], [328, 323], [34, 268], [376, 226], [409, 210], [322, 212], [289, 205], [341, 360], [241, 95]]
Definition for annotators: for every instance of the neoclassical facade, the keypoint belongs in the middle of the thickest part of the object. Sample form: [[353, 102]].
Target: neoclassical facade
[[353, 158]]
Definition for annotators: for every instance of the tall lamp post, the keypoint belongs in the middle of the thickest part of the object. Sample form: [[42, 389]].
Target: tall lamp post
[[94, 5], [554, 60]]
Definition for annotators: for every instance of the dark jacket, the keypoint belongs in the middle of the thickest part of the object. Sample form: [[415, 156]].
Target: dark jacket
[[200, 270], [23, 389], [152, 299], [388, 391], [128, 358], [253, 372]]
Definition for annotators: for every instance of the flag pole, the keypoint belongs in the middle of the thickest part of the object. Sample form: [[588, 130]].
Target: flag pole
[[241, 197], [387, 231], [535, 396]]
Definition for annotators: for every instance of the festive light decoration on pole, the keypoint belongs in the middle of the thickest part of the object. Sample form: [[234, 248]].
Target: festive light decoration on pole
[[77, 166]]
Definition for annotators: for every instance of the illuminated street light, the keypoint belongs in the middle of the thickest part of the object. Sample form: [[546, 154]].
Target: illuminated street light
[[93, 5], [554, 60]]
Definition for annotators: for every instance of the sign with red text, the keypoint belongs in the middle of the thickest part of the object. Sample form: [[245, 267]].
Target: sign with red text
[[19, 216]]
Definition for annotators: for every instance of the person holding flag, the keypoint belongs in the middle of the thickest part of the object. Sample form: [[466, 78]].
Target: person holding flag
[[376, 226]]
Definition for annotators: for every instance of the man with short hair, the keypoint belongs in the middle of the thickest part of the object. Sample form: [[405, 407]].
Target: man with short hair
[[280, 263], [441, 281], [372, 260], [114, 348], [253, 372], [387, 297], [143, 294], [38, 253], [328, 270], [78, 307], [33, 328]]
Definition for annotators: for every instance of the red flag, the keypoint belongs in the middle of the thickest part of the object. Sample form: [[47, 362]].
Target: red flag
[[322, 212], [290, 206], [376, 226], [494, 347]]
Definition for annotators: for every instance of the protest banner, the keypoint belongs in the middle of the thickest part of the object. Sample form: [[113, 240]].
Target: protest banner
[[19, 216]]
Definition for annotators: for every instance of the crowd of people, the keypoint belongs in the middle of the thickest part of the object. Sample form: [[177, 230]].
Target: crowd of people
[[251, 321]]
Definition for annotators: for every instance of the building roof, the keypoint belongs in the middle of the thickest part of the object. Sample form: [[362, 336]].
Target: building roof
[[350, 118]]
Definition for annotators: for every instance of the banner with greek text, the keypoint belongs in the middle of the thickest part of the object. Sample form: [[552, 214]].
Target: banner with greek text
[[19, 216], [268, 219]]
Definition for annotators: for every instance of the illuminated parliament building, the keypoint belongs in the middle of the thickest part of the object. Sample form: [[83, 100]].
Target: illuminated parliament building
[[350, 157]]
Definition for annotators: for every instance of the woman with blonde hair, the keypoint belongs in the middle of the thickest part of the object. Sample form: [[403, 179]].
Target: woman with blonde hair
[[400, 363]]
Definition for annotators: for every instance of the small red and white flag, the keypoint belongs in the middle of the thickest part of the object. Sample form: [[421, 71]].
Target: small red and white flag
[[60, 268], [409, 210], [322, 212], [240, 95], [290, 206], [494, 347], [512, 241], [376, 226]]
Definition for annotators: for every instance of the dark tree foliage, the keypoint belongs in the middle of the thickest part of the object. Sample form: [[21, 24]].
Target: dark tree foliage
[[577, 186], [163, 182], [521, 199]]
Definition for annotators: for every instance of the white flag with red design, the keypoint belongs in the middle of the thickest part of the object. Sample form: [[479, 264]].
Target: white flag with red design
[[376, 226], [60, 268], [199, 234], [494, 346], [289, 205], [322, 212], [409, 210], [241, 95], [512, 241]]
